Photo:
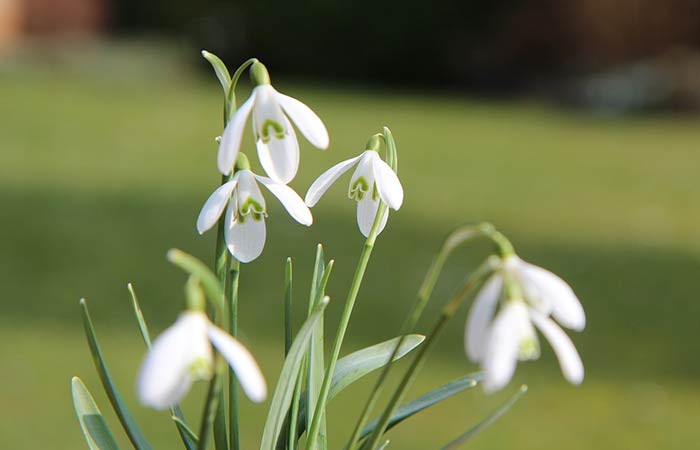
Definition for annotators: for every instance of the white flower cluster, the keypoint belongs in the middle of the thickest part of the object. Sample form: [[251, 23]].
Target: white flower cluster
[[278, 151]]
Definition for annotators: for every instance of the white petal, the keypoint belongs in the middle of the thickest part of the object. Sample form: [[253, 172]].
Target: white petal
[[323, 182], [305, 119], [566, 307], [242, 362], [214, 206], [231, 138], [280, 157], [248, 188], [569, 360], [245, 240], [291, 201], [366, 212], [480, 316], [501, 355], [165, 374], [388, 184]]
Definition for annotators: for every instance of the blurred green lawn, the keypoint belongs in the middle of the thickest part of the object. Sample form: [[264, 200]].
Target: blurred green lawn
[[105, 161]]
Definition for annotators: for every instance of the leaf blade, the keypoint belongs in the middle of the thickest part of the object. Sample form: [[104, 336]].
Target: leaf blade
[[92, 423], [132, 430], [282, 397], [426, 400]]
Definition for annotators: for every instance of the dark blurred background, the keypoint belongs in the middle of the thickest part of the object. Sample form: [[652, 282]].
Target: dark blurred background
[[617, 55]]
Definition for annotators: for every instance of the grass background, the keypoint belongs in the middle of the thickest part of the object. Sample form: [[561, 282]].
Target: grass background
[[107, 156]]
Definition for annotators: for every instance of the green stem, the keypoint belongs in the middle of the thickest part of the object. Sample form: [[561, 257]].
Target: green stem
[[210, 406], [232, 381], [458, 237], [447, 313], [313, 430]]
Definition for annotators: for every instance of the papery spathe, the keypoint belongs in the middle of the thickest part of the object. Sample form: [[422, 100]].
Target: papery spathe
[[183, 354]]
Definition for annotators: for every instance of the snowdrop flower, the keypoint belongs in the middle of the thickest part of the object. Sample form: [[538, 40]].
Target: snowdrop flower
[[498, 344], [373, 180], [183, 354], [278, 149], [244, 230]]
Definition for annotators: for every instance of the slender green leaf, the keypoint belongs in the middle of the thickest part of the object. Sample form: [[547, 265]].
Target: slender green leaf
[[316, 365], [282, 398], [287, 305], [132, 430], [426, 400], [219, 69], [384, 445], [184, 429], [199, 270], [491, 418], [95, 430], [139, 316], [292, 439]]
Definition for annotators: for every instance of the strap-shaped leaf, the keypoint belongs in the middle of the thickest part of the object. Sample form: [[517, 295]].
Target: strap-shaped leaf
[[488, 420], [219, 69], [315, 369], [356, 365], [132, 430], [95, 430], [426, 400], [282, 397]]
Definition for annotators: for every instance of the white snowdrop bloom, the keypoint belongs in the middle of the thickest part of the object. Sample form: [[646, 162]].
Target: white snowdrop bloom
[[278, 148], [183, 354], [499, 343], [245, 216], [373, 180]]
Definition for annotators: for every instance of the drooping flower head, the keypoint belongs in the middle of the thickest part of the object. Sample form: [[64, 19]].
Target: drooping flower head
[[276, 141], [528, 295], [244, 230], [372, 180], [183, 354]]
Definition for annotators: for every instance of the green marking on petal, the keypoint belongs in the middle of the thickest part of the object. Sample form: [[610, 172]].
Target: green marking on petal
[[251, 207], [270, 129], [358, 189]]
